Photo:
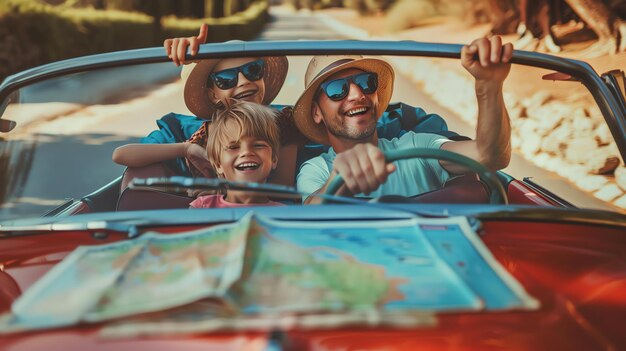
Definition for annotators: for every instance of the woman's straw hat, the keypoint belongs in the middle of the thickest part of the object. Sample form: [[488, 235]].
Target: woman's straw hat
[[197, 95]]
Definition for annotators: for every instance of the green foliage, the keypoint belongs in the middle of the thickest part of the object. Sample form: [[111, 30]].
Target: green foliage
[[244, 25], [213, 8], [123, 5], [180, 8], [33, 33], [356, 5], [330, 3], [369, 6]]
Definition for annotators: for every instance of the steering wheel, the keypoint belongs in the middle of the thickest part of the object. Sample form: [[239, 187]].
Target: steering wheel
[[496, 191]]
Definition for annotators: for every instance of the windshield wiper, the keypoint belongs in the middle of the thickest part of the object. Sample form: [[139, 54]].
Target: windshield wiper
[[182, 184]]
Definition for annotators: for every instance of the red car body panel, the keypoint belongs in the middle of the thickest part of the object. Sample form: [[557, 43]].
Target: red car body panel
[[578, 273], [519, 194]]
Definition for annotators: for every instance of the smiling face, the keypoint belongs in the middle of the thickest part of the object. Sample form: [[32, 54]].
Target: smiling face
[[243, 142], [244, 158], [246, 90], [351, 118]]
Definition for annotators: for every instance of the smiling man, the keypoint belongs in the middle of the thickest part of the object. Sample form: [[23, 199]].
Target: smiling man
[[341, 104]]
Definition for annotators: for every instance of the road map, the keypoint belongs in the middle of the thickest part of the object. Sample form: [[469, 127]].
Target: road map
[[259, 273]]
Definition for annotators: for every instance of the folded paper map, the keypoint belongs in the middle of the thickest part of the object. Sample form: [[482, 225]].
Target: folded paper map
[[259, 273]]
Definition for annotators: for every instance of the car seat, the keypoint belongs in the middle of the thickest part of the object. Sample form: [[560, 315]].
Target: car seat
[[135, 199], [464, 189]]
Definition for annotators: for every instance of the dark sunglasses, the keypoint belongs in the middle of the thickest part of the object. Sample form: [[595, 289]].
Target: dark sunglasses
[[338, 89], [228, 78]]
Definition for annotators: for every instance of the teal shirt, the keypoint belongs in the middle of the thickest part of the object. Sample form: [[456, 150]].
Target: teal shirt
[[395, 121], [412, 177]]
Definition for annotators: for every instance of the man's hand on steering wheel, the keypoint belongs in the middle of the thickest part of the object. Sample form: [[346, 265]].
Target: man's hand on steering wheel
[[363, 168], [497, 194]]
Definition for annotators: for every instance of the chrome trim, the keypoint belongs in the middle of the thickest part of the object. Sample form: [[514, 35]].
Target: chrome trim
[[70, 209], [547, 193], [19, 230]]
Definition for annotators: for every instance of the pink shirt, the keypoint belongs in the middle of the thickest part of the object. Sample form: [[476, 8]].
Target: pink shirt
[[217, 201]]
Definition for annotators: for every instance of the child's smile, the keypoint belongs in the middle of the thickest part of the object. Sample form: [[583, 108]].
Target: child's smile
[[247, 166], [248, 159]]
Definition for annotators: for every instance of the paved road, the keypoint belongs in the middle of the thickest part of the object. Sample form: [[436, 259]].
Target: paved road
[[65, 164], [286, 25], [519, 166]]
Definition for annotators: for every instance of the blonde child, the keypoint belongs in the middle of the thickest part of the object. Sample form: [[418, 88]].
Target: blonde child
[[242, 145]]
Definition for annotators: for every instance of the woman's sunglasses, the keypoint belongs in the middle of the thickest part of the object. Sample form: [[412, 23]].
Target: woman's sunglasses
[[338, 89], [228, 78]]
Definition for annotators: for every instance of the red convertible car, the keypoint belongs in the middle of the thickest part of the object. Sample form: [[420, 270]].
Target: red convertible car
[[539, 259]]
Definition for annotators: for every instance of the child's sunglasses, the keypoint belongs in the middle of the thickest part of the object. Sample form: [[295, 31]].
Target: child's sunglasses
[[228, 78], [338, 89]]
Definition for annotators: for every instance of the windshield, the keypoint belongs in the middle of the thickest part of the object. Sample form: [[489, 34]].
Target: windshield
[[67, 128]]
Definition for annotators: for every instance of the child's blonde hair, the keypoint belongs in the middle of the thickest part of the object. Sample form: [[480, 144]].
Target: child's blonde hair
[[254, 120]]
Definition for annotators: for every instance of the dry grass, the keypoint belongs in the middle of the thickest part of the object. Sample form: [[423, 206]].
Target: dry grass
[[407, 14]]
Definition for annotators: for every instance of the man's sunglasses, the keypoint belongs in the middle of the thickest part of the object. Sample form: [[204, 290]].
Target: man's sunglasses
[[228, 78], [338, 89]]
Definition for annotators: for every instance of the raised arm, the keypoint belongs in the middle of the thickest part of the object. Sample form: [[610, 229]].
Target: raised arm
[[488, 61], [139, 155], [177, 48]]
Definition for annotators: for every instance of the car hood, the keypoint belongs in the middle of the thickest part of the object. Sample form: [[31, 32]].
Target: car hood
[[575, 269]]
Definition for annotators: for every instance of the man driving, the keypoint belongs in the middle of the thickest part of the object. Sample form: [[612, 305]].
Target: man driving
[[343, 100]]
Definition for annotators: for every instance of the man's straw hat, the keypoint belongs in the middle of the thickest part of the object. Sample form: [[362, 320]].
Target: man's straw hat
[[322, 67]]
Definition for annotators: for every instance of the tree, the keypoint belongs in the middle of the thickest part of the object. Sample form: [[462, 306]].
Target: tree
[[610, 29], [214, 8]]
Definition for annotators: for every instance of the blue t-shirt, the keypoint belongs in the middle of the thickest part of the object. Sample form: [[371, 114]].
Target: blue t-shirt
[[412, 176], [395, 122]]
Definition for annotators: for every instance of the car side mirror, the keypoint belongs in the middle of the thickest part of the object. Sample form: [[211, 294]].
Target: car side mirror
[[7, 125], [559, 76]]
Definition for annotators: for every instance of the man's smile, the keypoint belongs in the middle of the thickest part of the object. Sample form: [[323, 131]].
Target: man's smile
[[356, 111]]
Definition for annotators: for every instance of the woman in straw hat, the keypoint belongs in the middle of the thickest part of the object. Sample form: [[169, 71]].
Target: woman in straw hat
[[207, 84]]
